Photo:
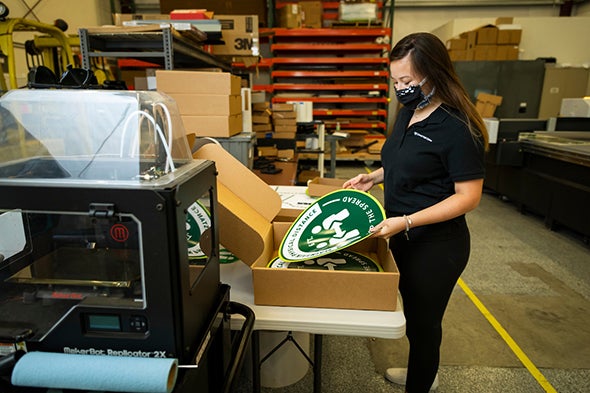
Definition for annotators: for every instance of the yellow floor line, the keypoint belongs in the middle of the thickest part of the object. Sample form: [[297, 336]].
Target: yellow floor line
[[509, 341], [524, 359]]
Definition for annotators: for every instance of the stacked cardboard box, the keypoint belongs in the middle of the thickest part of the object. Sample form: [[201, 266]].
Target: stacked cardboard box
[[284, 118], [302, 14], [210, 103], [489, 42], [261, 123], [486, 104]]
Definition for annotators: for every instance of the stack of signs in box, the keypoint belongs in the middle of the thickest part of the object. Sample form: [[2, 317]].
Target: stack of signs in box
[[261, 124], [210, 103], [284, 118]]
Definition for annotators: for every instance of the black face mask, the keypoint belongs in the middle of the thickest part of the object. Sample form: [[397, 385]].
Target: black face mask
[[413, 97]]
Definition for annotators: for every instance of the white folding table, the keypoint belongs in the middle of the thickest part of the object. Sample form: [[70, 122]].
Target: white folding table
[[316, 321]]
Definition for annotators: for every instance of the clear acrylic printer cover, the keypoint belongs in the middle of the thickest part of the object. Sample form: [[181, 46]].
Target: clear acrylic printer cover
[[91, 136]]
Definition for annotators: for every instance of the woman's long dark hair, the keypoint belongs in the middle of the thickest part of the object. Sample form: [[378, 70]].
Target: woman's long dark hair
[[430, 59]]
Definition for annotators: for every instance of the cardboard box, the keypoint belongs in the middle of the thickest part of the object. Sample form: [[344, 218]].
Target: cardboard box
[[485, 52], [207, 105], [321, 186], [284, 115], [560, 83], [311, 14], [289, 16], [213, 126], [285, 127], [458, 55], [240, 34], [356, 138], [280, 107], [487, 35], [457, 44], [509, 35], [259, 106], [470, 37], [486, 104], [504, 20], [507, 52], [357, 12], [249, 207], [198, 82], [118, 18], [267, 151], [284, 134]]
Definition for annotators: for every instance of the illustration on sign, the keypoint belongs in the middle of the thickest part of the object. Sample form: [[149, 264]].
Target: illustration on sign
[[339, 260], [335, 221], [198, 220]]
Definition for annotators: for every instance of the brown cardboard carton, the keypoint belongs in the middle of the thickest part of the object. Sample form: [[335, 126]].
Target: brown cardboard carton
[[280, 107], [321, 186], [240, 34], [507, 52], [458, 55], [487, 35], [486, 104], [249, 207], [198, 82], [509, 35], [285, 122], [284, 134], [311, 14], [267, 151], [485, 52], [289, 16], [207, 104], [504, 20], [560, 83], [213, 126], [285, 128], [470, 37], [118, 18], [457, 44], [284, 115]]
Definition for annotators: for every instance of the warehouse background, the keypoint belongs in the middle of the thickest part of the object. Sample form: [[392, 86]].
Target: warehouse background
[[545, 33]]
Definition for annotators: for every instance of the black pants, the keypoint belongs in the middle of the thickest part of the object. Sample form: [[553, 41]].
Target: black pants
[[430, 264]]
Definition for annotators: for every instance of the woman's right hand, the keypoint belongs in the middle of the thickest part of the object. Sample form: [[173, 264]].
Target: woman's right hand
[[363, 182]]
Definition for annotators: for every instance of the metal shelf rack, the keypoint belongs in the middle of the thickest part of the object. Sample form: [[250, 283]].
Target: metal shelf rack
[[161, 45]]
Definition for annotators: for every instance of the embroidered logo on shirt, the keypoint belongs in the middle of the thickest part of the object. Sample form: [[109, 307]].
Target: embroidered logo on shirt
[[422, 136]]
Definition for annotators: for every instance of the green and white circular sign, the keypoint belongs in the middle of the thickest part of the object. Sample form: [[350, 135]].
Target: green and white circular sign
[[198, 220], [340, 260], [333, 222]]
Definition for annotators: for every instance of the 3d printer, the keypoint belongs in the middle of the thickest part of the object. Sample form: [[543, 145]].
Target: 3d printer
[[95, 187]]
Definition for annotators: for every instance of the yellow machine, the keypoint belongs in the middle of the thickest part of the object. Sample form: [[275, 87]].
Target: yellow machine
[[55, 38]]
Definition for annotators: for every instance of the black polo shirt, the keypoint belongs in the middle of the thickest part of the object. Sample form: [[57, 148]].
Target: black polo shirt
[[422, 162]]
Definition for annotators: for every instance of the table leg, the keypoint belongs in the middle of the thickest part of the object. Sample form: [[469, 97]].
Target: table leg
[[256, 361], [317, 363]]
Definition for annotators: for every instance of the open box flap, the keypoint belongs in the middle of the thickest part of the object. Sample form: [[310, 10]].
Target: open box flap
[[247, 205]]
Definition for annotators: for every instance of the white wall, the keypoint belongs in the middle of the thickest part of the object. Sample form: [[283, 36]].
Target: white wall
[[410, 20], [79, 13]]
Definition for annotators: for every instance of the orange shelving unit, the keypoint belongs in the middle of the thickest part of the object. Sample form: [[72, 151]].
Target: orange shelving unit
[[343, 71]]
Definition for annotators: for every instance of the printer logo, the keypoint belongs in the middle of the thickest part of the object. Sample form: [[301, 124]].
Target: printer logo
[[119, 233]]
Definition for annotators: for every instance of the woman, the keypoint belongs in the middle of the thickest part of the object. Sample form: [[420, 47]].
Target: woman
[[432, 172]]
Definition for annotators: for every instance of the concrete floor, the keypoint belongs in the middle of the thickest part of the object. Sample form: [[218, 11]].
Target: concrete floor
[[533, 283]]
